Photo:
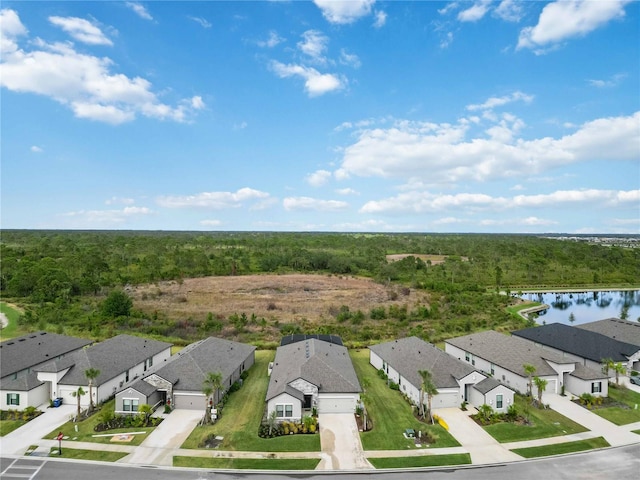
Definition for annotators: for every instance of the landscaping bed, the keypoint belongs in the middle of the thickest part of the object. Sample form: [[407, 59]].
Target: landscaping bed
[[10, 420], [619, 407]]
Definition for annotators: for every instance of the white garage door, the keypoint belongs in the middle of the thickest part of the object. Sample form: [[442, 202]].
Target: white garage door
[[336, 404], [189, 402], [552, 387]]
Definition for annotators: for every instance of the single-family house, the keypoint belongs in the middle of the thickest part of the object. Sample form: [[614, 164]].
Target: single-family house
[[312, 373], [21, 356], [617, 329], [179, 380], [119, 360], [582, 345], [456, 381], [504, 357]]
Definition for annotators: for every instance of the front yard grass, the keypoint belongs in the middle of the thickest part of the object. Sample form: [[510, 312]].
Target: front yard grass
[[621, 415], [560, 448], [94, 455], [85, 430], [8, 426], [390, 413], [544, 423], [422, 461], [248, 463], [241, 418]]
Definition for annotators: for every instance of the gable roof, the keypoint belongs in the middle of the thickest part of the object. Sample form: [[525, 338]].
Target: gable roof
[[23, 383], [189, 367], [577, 341], [35, 348], [615, 328], [488, 384], [326, 365], [508, 352], [112, 357], [409, 355], [298, 337]]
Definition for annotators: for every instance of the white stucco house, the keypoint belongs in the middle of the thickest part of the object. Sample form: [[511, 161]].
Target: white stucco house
[[503, 357], [456, 381], [312, 373]]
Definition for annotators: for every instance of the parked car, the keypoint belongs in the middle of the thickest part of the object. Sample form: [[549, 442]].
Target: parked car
[[635, 379]]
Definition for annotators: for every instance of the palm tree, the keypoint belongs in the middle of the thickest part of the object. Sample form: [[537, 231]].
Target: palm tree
[[78, 394], [541, 385], [529, 370], [429, 388], [619, 368], [607, 364], [91, 374], [212, 383]]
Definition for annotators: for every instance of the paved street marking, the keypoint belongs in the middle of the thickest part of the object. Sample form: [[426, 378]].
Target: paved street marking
[[21, 470]]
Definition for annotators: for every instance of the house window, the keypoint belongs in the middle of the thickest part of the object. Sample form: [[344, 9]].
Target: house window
[[467, 356], [596, 387], [288, 410], [130, 404], [13, 399], [283, 410], [498, 401], [126, 376], [493, 369]]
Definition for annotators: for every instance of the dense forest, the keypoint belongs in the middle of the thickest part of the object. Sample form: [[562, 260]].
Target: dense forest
[[73, 280]]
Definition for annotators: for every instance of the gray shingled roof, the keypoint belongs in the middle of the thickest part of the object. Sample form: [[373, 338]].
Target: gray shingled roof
[[24, 383], [326, 365], [488, 384], [508, 352], [584, 373], [34, 348], [190, 366], [112, 357], [584, 343], [143, 387], [615, 328], [409, 355]]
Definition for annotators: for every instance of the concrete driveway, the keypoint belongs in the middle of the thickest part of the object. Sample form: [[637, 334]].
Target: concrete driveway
[[160, 446], [30, 433], [340, 442]]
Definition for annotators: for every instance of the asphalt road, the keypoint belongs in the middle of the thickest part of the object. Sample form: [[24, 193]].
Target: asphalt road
[[621, 463]]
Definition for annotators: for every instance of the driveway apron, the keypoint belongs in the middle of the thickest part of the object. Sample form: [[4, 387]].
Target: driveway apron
[[161, 445], [482, 447], [340, 442]]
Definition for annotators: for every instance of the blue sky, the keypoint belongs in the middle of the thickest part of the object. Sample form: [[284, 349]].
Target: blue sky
[[480, 116]]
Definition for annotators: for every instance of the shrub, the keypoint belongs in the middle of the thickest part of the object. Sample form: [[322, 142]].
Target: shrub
[[394, 386], [382, 374], [378, 313]]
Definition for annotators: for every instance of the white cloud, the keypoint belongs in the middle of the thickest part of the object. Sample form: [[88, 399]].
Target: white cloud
[[350, 59], [36, 149], [240, 126], [446, 40], [81, 29], [475, 12], [210, 223], [442, 153], [82, 82], [494, 102], [316, 83], [212, 200], [381, 19], [347, 191], [565, 19], [509, 10], [119, 200], [448, 221], [318, 178], [10, 29], [272, 40], [613, 81], [203, 22], [344, 11], [140, 10], [308, 203], [314, 45], [106, 217]]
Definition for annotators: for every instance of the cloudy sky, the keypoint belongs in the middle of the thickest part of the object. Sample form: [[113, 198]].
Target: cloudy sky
[[469, 116]]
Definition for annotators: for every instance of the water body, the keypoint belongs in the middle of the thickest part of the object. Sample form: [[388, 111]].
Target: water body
[[586, 306]]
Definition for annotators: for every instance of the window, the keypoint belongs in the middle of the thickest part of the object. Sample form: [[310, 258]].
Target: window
[[596, 387], [126, 376], [467, 356], [498, 401], [284, 410], [288, 410], [280, 411], [493, 369], [130, 404], [13, 399]]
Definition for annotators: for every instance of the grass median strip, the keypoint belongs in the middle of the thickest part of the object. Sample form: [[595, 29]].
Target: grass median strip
[[561, 448], [422, 461], [95, 455], [247, 463]]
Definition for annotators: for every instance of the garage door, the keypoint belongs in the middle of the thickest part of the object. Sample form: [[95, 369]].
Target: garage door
[[336, 404], [552, 387], [189, 402]]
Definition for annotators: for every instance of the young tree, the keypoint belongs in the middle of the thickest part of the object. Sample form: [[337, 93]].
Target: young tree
[[91, 374], [429, 388], [212, 383], [619, 369], [541, 385], [272, 419], [607, 364], [117, 304], [78, 394], [529, 370]]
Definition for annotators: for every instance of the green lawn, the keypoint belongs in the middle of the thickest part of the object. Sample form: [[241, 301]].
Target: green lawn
[[248, 463], [544, 423], [619, 415], [12, 314], [95, 455], [242, 415], [85, 430], [560, 448], [422, 461], [8, 426], [391, 414]]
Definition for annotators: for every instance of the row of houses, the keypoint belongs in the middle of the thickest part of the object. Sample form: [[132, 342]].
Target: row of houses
[[314, 372]]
